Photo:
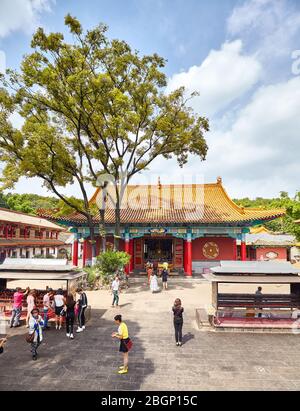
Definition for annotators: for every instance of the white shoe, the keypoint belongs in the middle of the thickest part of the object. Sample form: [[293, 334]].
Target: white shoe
[[71, 336], [68, 335], [56, 327], [83, 327], [79, 330], [59, 327]]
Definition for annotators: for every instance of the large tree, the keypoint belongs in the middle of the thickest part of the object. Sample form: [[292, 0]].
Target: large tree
[[40, 150], [104, 105]]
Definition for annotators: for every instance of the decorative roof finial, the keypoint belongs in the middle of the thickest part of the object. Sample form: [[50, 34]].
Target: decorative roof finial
[[159, 183], [219, 180]]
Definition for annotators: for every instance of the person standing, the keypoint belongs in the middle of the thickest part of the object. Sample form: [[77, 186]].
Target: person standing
[[178, 321], [59, 302], [2, 342], [17, 307], [70, 315], [149, 271], [154, 283], [82, 304], [258, 299], [35, 327], [115, 286], [164, 276], [31, 304], [125, 342], [47, 306]]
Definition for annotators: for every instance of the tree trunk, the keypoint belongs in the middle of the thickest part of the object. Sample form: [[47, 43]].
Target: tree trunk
[[102, 231], [117, 226], [93, 241]]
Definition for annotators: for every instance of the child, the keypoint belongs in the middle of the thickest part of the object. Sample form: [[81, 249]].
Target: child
[[154, 283]]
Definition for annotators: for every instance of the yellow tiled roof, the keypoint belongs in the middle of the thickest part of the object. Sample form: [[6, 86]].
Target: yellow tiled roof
[[190, 203], [259, 230]]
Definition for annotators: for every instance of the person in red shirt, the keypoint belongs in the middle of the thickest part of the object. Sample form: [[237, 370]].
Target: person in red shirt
[[17, 307]]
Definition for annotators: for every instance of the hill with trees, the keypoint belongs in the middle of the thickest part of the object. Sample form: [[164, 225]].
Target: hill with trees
[[284, 224]]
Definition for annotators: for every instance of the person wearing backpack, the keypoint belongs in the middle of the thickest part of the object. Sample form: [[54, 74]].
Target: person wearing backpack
[[59, 303], [178, 321]]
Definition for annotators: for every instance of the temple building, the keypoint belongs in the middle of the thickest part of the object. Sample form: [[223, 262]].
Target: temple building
[[192, 227]]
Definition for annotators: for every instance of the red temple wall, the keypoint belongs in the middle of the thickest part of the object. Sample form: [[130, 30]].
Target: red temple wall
[[225, 245], [281, 251], [98, 246]]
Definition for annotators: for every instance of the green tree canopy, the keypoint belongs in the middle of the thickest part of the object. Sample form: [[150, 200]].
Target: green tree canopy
[[284, 224], [92, 107]]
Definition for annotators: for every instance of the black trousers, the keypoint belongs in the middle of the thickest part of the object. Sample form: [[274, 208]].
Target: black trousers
[[70, 324], [81, 317], [178, 330]]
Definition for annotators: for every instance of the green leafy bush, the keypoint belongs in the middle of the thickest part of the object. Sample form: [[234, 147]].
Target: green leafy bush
[[93, 275], [111, 262]]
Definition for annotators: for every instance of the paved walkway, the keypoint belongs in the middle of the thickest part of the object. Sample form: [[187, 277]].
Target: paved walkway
[[207, 360]]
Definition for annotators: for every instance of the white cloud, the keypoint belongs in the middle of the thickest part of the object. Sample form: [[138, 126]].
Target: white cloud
[[271, 27], [259, 154], [21, 15], [224, 76]]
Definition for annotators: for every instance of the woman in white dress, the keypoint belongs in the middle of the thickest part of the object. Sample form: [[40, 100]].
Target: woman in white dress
[[154, 283]]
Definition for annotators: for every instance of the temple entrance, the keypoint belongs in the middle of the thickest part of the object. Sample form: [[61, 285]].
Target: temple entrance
[[158, 250]]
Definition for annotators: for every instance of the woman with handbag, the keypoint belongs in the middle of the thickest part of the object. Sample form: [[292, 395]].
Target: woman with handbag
[[59, 303], [125, 342], [35, 336]]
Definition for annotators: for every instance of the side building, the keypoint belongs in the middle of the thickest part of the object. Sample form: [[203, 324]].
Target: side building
[[26, 236]]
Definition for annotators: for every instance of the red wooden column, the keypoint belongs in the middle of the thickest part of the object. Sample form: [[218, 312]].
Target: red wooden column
[[84, 253], [234, 250], [131, 255], [127, 250], [189, 256], [243, 249], [75, 253], [184, 255]]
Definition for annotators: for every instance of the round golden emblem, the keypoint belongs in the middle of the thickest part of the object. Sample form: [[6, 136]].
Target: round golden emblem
[[211, 250]]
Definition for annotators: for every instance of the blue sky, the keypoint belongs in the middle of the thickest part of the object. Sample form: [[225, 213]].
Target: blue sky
[[240, 55]]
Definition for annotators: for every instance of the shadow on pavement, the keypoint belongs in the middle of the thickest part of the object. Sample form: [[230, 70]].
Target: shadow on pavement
[[89, 362], [187, 337]]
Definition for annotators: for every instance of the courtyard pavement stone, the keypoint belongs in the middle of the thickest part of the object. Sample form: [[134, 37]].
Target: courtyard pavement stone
[[207, 360]]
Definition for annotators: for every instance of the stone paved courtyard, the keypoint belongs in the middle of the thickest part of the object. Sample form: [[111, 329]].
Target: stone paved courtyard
[[207, 360]]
